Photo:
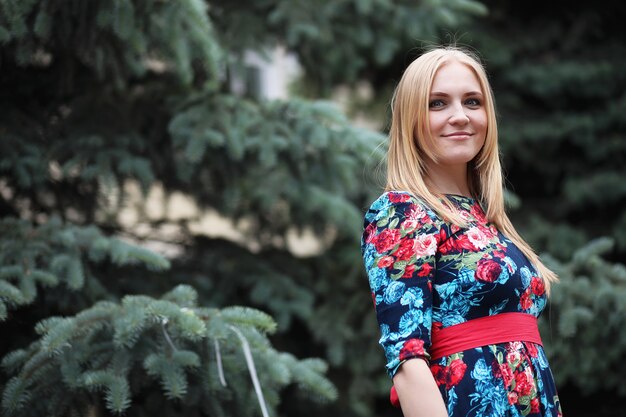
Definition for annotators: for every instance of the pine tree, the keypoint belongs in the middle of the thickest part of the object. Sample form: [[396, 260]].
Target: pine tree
[[99, 95]]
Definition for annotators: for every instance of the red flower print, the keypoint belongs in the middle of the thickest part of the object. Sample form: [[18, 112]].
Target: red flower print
[[512, 396], [386, 240], [456, 244], [457, 369], [524, 382], [425, 270], [477, 237], [405, 250], [449, 375], [478, 214], [534, 405], [425, 245], [415, 212], [439, 373], [408, 271], [513, 357], [464, 215], [506, 374], [374, 298], [446, 247], [488, 270], [488, 231], [369, 232], [532, 350], [514, 346], [409, 225], [464, 243], [526, 300], [412, 348], [398, 197], [385, 261], [537, 286]]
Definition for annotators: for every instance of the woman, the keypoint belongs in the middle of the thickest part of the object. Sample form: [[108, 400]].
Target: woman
[[457, 290]]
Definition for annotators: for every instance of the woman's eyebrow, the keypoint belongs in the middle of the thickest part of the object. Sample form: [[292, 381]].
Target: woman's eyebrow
[[469, 93]]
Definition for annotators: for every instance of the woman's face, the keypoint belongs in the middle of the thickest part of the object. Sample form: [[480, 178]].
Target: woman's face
[[457, 115]]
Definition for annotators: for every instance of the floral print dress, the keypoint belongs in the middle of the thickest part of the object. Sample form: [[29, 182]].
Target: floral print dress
[[425, 273]]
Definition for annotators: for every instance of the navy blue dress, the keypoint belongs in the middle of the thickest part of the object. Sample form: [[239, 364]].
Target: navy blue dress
[[425, 272]]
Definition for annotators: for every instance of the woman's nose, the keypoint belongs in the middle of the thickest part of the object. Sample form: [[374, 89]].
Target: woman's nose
[[458, 115]]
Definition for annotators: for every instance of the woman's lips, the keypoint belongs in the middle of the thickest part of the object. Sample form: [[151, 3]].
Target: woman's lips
[[458, 135]]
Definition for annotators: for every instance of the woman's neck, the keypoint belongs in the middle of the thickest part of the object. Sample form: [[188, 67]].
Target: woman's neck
[[448, 179]]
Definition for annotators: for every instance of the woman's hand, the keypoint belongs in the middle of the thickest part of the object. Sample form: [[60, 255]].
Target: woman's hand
[[417, 390]]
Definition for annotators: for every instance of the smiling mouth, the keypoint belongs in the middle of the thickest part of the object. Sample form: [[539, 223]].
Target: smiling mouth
[[458, 135]]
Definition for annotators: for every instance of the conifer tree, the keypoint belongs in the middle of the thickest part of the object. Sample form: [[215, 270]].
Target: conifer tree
[[95, 96]]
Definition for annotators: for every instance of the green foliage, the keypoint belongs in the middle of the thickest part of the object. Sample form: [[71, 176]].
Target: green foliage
[[308, 155], [52, 253], [116, 40], [99, 95], [338, 41], [91, 91], [588, 311], [105, 349], [318, 301]]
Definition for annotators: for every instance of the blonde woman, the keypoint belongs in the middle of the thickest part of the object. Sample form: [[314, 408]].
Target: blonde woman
[[457, 290]]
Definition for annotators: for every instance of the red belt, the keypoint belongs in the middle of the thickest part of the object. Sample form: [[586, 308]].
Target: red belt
[[489, 330], [483, 331]]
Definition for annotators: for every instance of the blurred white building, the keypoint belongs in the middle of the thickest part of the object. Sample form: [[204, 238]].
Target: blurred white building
[[266, 76]]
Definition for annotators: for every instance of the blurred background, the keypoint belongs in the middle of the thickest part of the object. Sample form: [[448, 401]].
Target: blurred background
[[184, 182]]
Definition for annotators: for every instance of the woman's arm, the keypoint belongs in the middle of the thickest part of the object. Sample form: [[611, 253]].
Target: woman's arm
[[417, 390], [399, 245]]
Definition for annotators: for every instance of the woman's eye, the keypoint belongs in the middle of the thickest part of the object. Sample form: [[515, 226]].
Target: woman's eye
[[472, 102], [435, 103]]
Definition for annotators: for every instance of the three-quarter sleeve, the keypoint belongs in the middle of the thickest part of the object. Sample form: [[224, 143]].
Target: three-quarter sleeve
[[399, 247]]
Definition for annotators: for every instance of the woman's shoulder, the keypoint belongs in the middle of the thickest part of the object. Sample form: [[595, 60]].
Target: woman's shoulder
[[394, 198], [399, 202]]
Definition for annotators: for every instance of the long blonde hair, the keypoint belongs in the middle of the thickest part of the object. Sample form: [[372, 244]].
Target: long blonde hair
[[410, 144]]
